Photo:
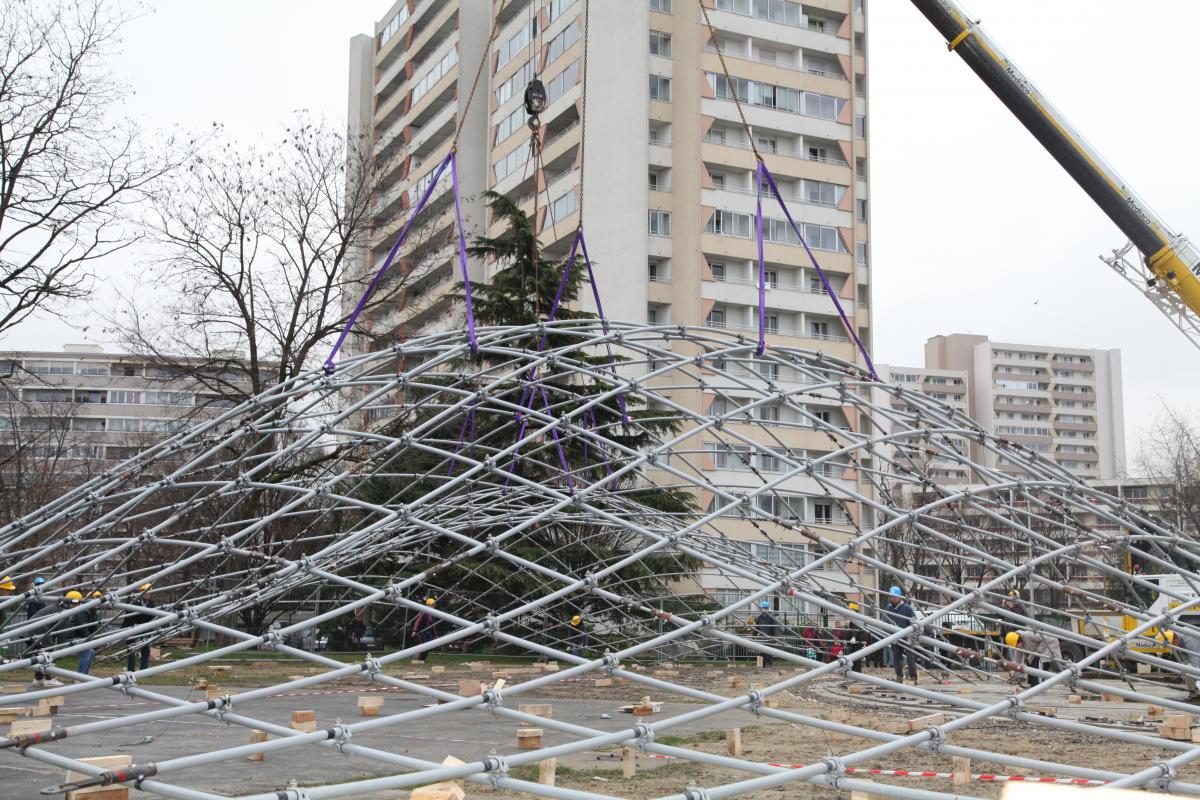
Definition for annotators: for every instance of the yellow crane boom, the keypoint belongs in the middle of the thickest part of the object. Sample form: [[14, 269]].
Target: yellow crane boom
[[1169, 271]]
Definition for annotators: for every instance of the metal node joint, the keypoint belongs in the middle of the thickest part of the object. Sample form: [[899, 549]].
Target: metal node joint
[[644, 735], [341, 736], [496, 768]]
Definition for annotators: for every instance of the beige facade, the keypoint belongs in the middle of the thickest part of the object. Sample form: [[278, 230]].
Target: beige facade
[[669, 195], [1064, 403], [949, 387], [84, 405]]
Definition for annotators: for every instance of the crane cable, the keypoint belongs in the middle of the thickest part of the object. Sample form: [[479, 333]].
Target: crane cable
[[462, 120], [729, 82]]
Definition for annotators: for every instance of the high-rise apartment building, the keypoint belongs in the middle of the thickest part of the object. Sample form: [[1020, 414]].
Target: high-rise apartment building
[[669, 177], [1062, 402], [666, 151], [947, 386]]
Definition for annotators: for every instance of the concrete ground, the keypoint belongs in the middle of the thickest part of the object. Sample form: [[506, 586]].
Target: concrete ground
[[468, 735], [473, 734]]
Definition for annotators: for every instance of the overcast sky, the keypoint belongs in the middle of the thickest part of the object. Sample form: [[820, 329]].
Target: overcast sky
[[975, 228]]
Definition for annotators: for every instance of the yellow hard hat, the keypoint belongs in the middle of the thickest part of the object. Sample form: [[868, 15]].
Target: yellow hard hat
[[145, 587], [853, 606], [575, 620], [1012, 638], [1014, 593], [74, 595], [7, 583], [429, 601], [97, 594], [1168, 636]]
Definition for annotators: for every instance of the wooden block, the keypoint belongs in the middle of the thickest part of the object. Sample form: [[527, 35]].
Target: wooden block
[[257, 737], [966, 689], [500, 673], [628, 762], [10, 714], [1155, 711], [546, 770], [537, 709], [1044, 711], [603, 683], [962, 771], [451, 761], [214, 693], [29, 725], [1143, 669], [293, 678], [1111, 698], [1177, 720], [927, 721], [55, 701], [368, 711], [1195, 735], [498, 685], [469, 688], [156, 653], [447, 790], [99, 792], [643, 709], [437, 669], [735, 682], [12, 688], [222, 668], [1074, 699], [371, 701], [304, 727], [304, 716], [733, 741], [201, 684], [529, 738], [856, 689]]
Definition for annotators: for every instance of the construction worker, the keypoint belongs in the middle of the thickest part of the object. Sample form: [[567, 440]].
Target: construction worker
[[140, 618], [856, 638], [1041, 651], [86, 624], [1012, 603], [63, 628], [1185, 646], [35, 604], [425, 628], [578, 636], [902, 615], [767, 627]]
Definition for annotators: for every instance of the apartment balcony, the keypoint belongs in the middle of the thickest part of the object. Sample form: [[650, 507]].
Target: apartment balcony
[[744, 201], [807, 37], [783, 298], [732, 153]]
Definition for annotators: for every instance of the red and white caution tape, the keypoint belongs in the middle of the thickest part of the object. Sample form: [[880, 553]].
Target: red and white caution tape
[[906, 773]]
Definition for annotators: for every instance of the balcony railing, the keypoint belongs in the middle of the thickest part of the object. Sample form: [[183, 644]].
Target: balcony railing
[[776, 151], [773, 286], [735, 326], [742, 55], [792, 198]]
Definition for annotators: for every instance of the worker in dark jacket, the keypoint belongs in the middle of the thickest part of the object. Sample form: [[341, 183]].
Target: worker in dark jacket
[[35, 604], [577, 637], [134, 619], [767, 627], [856, 639], [901, 615], [425, 628]]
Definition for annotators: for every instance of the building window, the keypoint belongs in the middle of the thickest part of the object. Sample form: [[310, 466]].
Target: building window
[[88, 424], [48, 395], [718, 180], [660, 88], [860, 253], [518, 79], [393, 25], [435, 74], [651, 315], [660, 44], [124, 397], [818, 330], [822, 512], [860, 126], [92, 368], [860, 210], [517, 43], [511, 124], [562, 82], [772, 278], [660, 223], [715, 318], [561, 208], [663, 6], [557, 7], [559, 44], [718, 271], [784, 11], [50, 367]]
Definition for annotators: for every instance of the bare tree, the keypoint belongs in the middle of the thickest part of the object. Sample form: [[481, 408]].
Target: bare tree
[[261, 251], [69, 171], [1170, 456]]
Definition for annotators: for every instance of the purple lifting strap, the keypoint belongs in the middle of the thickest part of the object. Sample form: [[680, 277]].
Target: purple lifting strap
[[452, 161], [762, 269], [762, 283]]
